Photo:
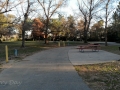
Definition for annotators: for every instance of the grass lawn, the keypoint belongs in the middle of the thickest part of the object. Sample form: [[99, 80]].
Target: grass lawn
[[113, 49], [30, 48]]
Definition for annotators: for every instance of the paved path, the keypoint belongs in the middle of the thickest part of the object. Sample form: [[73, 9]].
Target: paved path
[[109, 43], [89, 57], [46, 70]]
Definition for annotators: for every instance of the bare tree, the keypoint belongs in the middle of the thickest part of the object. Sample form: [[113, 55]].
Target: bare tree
[[88, 9], [106, 20], [7, 5], [23, 13], [108, 9], [50, 7], [24, 22]]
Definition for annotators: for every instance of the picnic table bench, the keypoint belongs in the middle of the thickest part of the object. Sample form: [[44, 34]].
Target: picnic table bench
[[94, 47]]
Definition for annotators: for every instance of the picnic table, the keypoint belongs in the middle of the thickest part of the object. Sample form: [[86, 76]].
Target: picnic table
[[93, 47]]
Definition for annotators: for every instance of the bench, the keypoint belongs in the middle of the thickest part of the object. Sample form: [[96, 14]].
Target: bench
[[90, 46]]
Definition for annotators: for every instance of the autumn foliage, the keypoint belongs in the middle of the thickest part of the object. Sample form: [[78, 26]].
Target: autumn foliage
[[37, 28]]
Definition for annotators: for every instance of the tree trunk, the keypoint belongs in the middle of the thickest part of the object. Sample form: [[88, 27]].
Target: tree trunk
[[23, 37], [24, 22], [106, 20], [23, 30], [85, 36], [46, 30], [85, 30], [106, 37], [46, 36], [106, 33]]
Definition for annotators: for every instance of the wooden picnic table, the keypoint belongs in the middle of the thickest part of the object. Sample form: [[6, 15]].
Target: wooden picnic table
[[90, 46]]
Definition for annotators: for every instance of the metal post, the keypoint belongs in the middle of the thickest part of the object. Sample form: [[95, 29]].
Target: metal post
[[63, 43], [6, 51], [58, 44], [68, 43], [16, 53]]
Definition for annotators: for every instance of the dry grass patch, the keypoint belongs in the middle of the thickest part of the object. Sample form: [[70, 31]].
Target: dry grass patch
[[104, 76]]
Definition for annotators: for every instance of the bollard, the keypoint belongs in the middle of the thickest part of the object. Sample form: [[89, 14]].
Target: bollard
[[63, 43], [6, 51], [58, 44], [68, 43], [16, 53]]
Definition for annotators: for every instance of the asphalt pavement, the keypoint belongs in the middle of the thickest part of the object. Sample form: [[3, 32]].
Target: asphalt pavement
[[45, 70]]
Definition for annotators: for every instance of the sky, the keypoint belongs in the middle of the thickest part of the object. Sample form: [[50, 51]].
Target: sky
[[70, 9], [73, 9]]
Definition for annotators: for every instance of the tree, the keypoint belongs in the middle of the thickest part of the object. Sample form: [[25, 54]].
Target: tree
[[116, 20], [112, 34], [58, 27], [88, 9], [49, 8], [8, 5], [24, 23], [106, 20], [37, 29], [23, 13], [55, 26], [80, 27], [3, 24], [71, 25], [6, 24], [96, 32], [108, 8]]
